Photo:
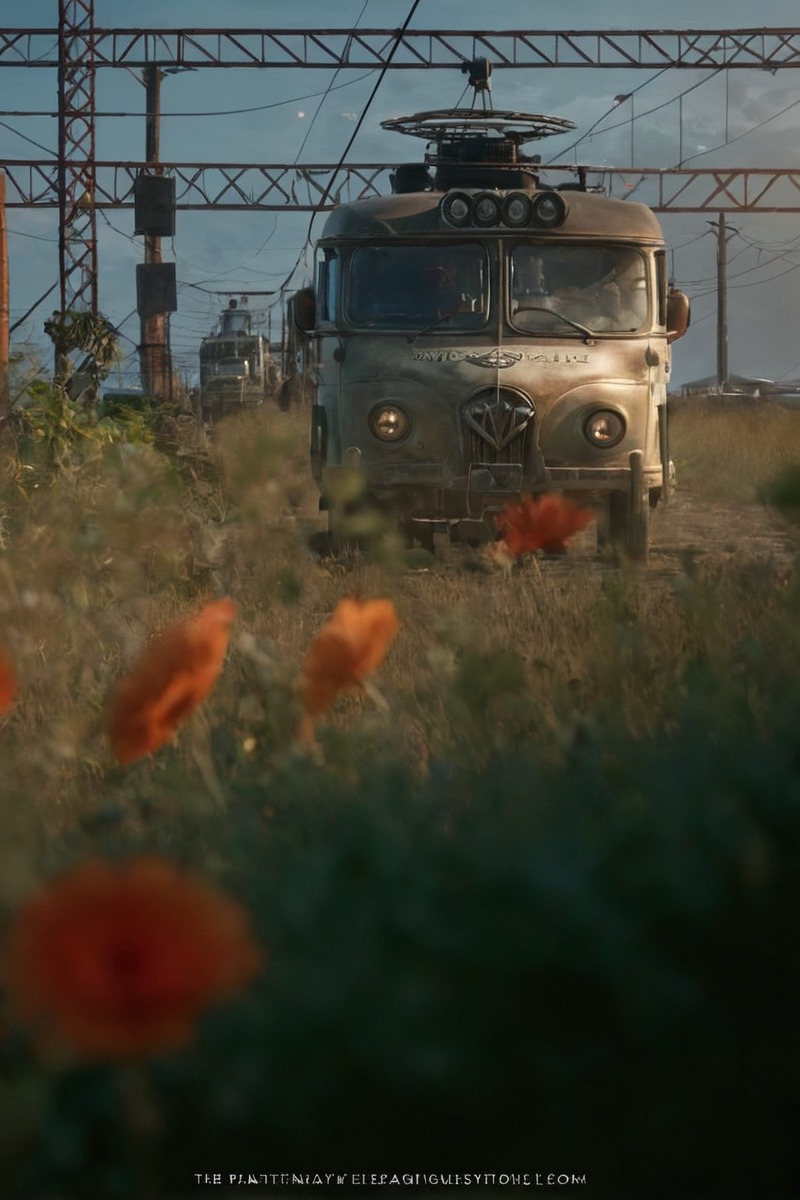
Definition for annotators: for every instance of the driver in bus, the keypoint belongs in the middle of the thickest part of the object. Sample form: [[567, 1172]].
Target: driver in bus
[[385, 287], [389, 284], [440, 294]]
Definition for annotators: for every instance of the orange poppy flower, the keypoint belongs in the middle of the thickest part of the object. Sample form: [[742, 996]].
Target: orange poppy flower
[[544, 524], [8, 685], [351, 645], [117, 961], [172, 675]]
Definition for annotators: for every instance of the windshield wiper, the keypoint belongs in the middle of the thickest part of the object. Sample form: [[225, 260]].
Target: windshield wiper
[[589, 334], [412, 337]]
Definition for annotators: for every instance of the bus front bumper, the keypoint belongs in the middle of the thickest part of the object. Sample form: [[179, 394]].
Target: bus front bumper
[[410, 488]]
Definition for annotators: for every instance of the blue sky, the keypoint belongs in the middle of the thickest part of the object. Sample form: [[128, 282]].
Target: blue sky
[[256, 250]]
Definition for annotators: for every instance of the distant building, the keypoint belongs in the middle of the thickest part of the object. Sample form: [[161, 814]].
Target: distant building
[[743, 389]]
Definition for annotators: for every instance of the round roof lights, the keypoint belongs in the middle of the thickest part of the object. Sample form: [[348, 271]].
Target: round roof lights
[[549, 209], [457, 208], [514, 210], [517, 209], [486, 209]]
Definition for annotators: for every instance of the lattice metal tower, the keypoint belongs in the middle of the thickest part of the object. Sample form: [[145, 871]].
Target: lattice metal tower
[[76, 156]]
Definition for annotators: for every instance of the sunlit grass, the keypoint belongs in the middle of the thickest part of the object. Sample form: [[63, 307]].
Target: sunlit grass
[[729, 455], [102, 554]]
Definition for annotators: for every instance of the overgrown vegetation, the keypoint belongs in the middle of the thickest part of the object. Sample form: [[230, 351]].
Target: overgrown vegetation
[[93, 337], [730, 454], [527, 908]]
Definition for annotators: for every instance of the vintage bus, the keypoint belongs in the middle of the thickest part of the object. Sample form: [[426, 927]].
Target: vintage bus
[[236, 366], [477, 336]]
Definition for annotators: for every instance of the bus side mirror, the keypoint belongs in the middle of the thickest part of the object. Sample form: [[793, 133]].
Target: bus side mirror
[[304, 310], [679, 314]]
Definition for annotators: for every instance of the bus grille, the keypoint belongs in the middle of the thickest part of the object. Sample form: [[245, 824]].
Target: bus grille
[[497, 425]]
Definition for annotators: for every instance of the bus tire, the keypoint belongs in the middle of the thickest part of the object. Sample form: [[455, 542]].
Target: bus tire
[[344, 539]]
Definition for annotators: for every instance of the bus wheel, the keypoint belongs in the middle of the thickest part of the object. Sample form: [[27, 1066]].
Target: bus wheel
[[354, 529], [214, 410], [341, 543]]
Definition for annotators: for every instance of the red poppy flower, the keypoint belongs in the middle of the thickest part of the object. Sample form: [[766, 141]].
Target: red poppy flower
[[8, 685], [117, 961], [544, 524], [350, 646], [172, 675]]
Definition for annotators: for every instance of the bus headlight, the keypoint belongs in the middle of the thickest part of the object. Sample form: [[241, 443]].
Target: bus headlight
[[604, 428], [389, 423], [456, 208], [549, 209]]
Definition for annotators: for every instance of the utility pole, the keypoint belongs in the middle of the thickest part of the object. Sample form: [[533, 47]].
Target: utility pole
[[5, 398], [723, 236], [155, 367], [722, 305]]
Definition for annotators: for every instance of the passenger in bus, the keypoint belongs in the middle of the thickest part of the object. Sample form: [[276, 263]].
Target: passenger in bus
[[620, 297], [604, 307], [596, 287], [527, 280]]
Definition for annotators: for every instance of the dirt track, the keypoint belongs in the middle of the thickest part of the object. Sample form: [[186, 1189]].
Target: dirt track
[[707, 532], [717, 531]]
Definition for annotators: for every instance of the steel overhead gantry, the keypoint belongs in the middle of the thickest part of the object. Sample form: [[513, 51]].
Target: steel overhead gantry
[[79, 185], [307, 187], [769, 49]]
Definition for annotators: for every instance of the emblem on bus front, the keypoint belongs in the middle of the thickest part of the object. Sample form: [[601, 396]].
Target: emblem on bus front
[[495, 358]]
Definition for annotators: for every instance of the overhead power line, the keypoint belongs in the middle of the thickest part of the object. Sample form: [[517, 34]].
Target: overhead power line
[[199, 112], [327, 191], [33, 308]]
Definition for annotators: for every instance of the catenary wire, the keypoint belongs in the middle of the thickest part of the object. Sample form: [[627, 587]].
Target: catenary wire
[[351, 139]]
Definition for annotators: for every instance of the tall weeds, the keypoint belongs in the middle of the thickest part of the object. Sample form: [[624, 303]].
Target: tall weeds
[[525, 907]]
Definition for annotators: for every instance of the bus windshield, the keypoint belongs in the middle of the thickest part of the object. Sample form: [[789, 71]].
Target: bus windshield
[[232, 348], [414, 287], [601, 288]]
